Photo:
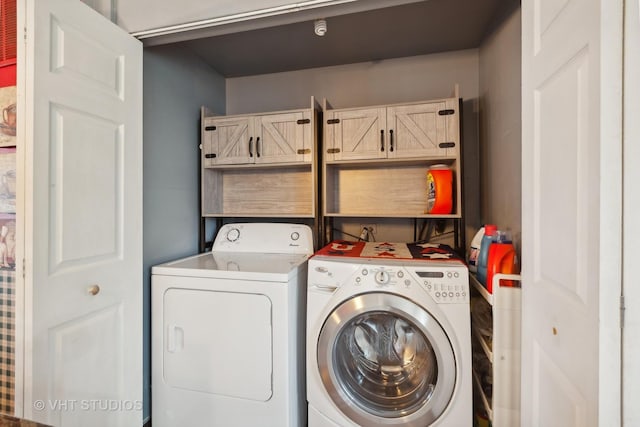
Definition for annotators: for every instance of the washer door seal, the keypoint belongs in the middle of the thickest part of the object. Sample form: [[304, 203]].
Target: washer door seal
[[385, 360]]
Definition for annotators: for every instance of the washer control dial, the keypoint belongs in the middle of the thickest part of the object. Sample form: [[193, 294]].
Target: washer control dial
[[295, 235], [382, 277], [233, 235]]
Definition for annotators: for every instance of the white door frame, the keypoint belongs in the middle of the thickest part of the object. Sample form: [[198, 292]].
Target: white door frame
[[610, 355], [20, 294], [631, 225]]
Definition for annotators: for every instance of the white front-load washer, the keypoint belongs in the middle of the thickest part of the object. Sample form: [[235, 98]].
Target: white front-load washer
[[228, 330], [388, 337]]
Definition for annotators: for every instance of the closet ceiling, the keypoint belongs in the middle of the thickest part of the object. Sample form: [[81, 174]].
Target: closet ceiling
[[419, 28]]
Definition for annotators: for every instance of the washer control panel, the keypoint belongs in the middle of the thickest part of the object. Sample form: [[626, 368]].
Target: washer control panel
[[444, 284], [380, 276]]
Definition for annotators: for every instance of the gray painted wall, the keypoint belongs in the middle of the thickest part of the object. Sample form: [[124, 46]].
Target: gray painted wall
[[176, 84], [416, 78], [500, 124]]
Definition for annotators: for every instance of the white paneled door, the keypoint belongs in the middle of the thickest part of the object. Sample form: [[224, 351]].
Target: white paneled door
[[82, 104], [571, 222]]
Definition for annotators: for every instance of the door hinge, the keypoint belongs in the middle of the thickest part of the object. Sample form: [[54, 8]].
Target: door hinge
[[304, 151], [447, 112], [303, 121], [333, 150], [622, 310], [24, 267], [333, 121]]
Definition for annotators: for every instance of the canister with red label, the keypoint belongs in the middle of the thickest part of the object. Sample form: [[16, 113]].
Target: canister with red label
[[439, 190]]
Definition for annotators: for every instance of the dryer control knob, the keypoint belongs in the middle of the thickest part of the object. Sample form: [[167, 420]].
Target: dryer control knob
[[233, 235]]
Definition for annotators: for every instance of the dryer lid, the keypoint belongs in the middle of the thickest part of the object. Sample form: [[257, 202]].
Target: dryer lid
[[250, 266]]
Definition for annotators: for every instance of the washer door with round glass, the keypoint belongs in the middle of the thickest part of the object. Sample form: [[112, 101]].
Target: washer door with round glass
[[384, 360]]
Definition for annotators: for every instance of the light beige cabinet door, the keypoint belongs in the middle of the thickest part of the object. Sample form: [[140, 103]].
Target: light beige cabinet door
[[228, 141], [283, 137], [355, 134], [422, 130]]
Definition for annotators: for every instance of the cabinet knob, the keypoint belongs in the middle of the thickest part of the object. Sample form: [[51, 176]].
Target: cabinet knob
[[93, 290]]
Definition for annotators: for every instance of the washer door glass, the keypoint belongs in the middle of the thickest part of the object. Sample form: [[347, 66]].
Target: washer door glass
[[383, 357]]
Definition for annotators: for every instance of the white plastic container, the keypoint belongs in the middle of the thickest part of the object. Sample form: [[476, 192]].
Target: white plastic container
[[474, 250]]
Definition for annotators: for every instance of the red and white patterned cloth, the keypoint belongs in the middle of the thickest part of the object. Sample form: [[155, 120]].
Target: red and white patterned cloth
[[387, 250]]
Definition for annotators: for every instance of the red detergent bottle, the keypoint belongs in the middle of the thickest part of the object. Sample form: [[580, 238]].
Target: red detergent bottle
[[501, 259]]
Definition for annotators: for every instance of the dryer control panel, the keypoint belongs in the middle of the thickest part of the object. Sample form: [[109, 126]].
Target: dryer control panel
[[272, 238]]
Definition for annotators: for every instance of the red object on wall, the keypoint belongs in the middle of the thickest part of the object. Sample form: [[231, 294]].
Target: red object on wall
[[8, 25], [8, 75], [8, 42]]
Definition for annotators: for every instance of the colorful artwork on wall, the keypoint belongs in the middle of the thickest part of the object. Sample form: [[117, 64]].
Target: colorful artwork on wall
[[7, 241], [8, 119], [7, 180]]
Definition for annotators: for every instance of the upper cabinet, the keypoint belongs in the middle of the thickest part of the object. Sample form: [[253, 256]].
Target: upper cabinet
[[285, 137], [428, 129], [260, 165]]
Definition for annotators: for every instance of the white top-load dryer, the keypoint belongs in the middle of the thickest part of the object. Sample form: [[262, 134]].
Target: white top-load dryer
[[228, 330]]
